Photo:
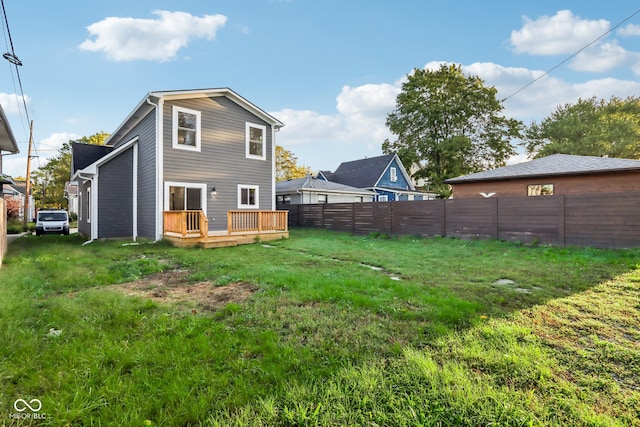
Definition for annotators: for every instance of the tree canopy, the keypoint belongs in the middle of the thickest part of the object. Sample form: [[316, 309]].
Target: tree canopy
[[287, 167], [590, 127], [449, 124], [48, 181]]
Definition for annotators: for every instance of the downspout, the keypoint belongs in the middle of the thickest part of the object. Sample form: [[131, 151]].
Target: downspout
[[134, 191], [159, 174], [274, 129]]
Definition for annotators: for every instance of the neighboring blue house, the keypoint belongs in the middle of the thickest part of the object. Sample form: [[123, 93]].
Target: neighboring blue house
[[385, 175]]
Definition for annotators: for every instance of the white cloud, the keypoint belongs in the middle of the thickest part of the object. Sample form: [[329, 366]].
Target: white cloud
[[357, 129], [50, 147], [129, 39], [560, 34], [603, 57], [12, 103], [630, 30]]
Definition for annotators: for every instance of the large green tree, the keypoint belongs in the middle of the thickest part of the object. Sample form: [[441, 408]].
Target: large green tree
[[48, 181], [449, 124], [287, 166], [590, 127]]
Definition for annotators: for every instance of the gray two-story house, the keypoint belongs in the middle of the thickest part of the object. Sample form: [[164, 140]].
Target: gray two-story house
[[208, 152]]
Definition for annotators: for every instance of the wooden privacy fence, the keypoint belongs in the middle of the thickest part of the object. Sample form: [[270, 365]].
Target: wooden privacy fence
[[598, 220]]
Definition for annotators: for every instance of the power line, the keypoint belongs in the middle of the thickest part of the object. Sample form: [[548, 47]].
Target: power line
[[573, 55], [12, 58]]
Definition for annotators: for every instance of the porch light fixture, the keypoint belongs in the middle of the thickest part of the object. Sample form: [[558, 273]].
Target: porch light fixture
[[213, 191]]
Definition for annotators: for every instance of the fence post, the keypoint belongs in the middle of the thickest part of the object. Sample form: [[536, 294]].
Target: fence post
[[443, 222], [353, 218], [561, 222], [496, 211]]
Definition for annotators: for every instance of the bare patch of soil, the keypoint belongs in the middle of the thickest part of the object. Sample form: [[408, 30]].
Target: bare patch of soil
[[173, 287]]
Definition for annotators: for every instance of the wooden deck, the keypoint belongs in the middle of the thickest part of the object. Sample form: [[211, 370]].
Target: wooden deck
[[191, 228]]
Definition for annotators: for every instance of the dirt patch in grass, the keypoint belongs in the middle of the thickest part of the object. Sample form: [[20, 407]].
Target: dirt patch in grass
[[173, 287]]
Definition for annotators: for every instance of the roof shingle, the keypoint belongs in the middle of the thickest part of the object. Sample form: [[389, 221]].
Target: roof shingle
[[362, 173], [556, 164]]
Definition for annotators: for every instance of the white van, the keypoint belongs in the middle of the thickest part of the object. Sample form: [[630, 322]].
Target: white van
[[52, 221]]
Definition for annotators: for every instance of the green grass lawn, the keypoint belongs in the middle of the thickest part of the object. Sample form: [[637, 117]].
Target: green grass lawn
[[340, 330]]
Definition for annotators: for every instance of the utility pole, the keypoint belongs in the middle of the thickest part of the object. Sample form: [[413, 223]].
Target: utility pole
[[27, 186]]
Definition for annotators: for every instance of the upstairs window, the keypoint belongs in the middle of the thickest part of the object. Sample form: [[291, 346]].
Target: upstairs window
[[255, 136], [186, 129], [540, 190], [323, 198], [394, 174]]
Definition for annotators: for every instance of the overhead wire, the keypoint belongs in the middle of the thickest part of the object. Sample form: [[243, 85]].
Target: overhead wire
[[13, 59], [573, 55]]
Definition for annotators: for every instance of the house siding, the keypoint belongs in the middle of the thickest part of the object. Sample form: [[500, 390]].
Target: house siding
[[400, 183], [145, 130], [115, 196], [308, 197], [84, 227], [628, 181], [222, 160]]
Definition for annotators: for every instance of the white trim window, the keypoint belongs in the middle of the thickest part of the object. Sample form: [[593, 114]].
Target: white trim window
[[393, 174], [256, 144], [186, 129], [179, 196], [248, 196]]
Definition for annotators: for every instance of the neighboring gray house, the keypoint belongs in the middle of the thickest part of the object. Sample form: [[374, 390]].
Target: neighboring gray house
[[313, 190], [385, 175], [209, 150]]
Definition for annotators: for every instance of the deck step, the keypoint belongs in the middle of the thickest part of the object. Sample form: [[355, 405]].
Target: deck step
[[219, 241]]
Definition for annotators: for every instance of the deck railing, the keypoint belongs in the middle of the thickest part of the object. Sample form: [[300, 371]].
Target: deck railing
[[196, 222], [186, 222], [256, 221]]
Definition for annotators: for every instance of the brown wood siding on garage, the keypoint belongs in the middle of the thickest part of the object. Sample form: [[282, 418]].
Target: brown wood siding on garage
[[222, 161], [628, 181]]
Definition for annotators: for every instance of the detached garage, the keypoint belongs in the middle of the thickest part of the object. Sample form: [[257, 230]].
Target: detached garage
[[557, 174]]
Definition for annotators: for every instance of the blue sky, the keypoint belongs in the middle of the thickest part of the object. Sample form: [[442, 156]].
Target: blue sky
[[330, 70]]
